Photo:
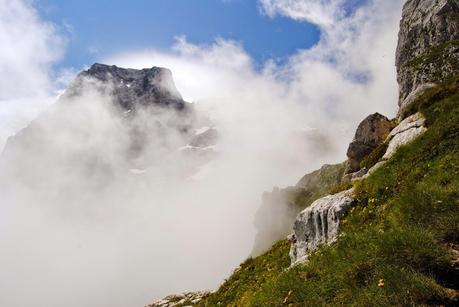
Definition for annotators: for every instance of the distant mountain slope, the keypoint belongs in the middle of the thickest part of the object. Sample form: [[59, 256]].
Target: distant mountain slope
[[279, 208]]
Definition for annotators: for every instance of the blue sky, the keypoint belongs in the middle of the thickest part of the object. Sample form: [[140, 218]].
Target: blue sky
[[99, 28]]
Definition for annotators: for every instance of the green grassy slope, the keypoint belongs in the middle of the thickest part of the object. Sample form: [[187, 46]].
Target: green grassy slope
[[397, 245], [317, 184]]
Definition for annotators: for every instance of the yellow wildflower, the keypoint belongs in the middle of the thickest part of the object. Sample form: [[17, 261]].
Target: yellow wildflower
[[381, 283], [288, 296]]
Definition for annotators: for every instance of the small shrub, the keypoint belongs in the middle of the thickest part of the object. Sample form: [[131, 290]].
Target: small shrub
[[374, 157], [343, 186]]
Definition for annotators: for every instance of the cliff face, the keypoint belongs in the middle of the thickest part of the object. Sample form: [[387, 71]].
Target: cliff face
[[428, 50]]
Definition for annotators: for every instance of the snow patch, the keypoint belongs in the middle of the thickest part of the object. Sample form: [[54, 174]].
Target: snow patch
[[202, 130]]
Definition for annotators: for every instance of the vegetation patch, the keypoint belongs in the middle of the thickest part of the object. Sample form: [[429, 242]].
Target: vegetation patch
[[436, 56], [373, 158], [247, 280], [434, 94], [317, 184], [343, 186]]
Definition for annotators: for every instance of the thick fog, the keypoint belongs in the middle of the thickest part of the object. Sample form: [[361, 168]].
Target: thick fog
[[85, 220]]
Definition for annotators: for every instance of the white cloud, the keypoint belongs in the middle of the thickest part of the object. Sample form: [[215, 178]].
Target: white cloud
[[151, 236], [29, 46], [321, 12], [347, 75]]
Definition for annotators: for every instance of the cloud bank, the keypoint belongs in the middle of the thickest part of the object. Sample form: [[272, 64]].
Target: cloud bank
[[330, 87], [320, 12], [77, 238], [30, 46]]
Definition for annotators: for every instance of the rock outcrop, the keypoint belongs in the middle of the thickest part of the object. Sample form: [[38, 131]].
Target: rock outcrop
[[318, 224], [409, 129], [371, 132], [408, 105], [428, 50], [179, 300], [406, 131]]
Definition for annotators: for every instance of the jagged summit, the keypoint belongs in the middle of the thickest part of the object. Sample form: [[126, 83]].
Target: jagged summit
[[131, 87]]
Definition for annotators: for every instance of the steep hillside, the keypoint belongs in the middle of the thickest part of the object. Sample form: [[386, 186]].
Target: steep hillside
[[398, 245], [388, 233], [398, 238]]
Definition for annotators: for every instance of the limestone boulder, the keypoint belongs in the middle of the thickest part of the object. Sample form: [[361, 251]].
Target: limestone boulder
[[318, 224], [408, 130], [371, 132]]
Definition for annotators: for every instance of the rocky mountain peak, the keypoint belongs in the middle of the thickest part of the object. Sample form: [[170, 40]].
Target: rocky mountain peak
[[428, 46], [131, 87]]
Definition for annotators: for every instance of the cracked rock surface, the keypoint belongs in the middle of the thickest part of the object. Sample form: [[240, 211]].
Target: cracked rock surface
[[318, 224], [426, 24]]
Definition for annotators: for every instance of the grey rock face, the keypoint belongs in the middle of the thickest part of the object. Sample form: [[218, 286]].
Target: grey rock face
[[131, 88], [371, 132], [318, 224], [356, 176], [185, 299], [407, 103], [409, 129], [405, 132], [426, 24], [413, 121]]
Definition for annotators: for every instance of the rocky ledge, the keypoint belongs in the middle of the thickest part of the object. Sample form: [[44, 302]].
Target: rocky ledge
[[180, 300]]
